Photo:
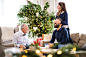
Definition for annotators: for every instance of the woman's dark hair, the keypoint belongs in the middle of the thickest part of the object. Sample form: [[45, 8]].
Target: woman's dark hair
[[63, 8]]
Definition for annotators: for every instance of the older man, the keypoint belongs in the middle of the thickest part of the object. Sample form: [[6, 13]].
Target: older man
[[20, 39]]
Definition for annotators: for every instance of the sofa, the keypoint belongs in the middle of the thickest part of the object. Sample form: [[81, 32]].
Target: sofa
[[6, 36], [78, 39]]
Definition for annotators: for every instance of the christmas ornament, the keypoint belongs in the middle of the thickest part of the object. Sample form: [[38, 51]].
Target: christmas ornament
[[37, 14], [59, 52], [17, 25], [35, 28], [74, 49], [37, 51], [25, 51], [24, 56], [25, 18], [50, 55]]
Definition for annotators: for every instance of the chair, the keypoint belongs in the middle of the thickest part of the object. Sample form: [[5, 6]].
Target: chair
[[6, 36]]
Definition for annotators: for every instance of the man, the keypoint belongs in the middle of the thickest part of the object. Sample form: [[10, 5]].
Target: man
[[60, 34], [20, 39]]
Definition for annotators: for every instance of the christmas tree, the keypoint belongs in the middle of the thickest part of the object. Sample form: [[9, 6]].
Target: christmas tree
[[39, 21]]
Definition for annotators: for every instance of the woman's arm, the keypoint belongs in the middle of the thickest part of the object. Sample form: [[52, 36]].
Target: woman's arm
[[65, 21]]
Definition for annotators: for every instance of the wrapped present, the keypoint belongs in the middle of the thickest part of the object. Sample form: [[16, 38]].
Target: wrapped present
[[46, 36]]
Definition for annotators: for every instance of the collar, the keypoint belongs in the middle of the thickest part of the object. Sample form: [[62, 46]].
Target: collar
[[62, 12], [23, 33], [59, 29]]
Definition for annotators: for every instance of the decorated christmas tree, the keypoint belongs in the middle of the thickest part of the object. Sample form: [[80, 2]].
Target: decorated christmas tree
[[39, 21]]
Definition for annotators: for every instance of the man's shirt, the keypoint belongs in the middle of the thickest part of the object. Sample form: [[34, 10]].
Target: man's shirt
[[61, 36], [20, 39]]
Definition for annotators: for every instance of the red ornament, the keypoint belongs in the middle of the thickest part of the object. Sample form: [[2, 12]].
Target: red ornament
[[17, 25]]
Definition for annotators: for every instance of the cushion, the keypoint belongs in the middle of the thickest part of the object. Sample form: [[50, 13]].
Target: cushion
[[7, 33], [75, 43], [6, 42], [83, 37], [81, 42], [75, 37], [16, 29]]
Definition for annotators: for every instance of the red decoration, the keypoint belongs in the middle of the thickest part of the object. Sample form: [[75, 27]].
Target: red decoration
[[39, 41], [40, 23], [34, 42], [17, 25]]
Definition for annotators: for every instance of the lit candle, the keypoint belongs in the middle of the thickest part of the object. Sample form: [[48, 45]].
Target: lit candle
[[50, 55], [74, 49], [59, 52]]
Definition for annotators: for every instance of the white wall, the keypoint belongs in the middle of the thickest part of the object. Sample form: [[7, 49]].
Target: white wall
[[76, 12], [8, 12], [76, 15]]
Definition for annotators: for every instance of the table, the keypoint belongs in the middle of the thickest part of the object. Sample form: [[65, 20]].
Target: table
[[77, 53], [48, 50]]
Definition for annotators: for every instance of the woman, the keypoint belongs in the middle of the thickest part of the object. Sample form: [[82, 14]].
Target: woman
[[62, 13]]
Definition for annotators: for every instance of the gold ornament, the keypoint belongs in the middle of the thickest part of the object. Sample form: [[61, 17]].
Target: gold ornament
[[25, 51], [37, 51], [50, 55], [59, 52], [74, 49], [24, 56]]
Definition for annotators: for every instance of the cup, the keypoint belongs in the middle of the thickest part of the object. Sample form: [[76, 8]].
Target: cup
[[46, 46]]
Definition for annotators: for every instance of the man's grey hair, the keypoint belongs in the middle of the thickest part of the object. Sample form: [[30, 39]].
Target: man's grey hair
[[22, 26]]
